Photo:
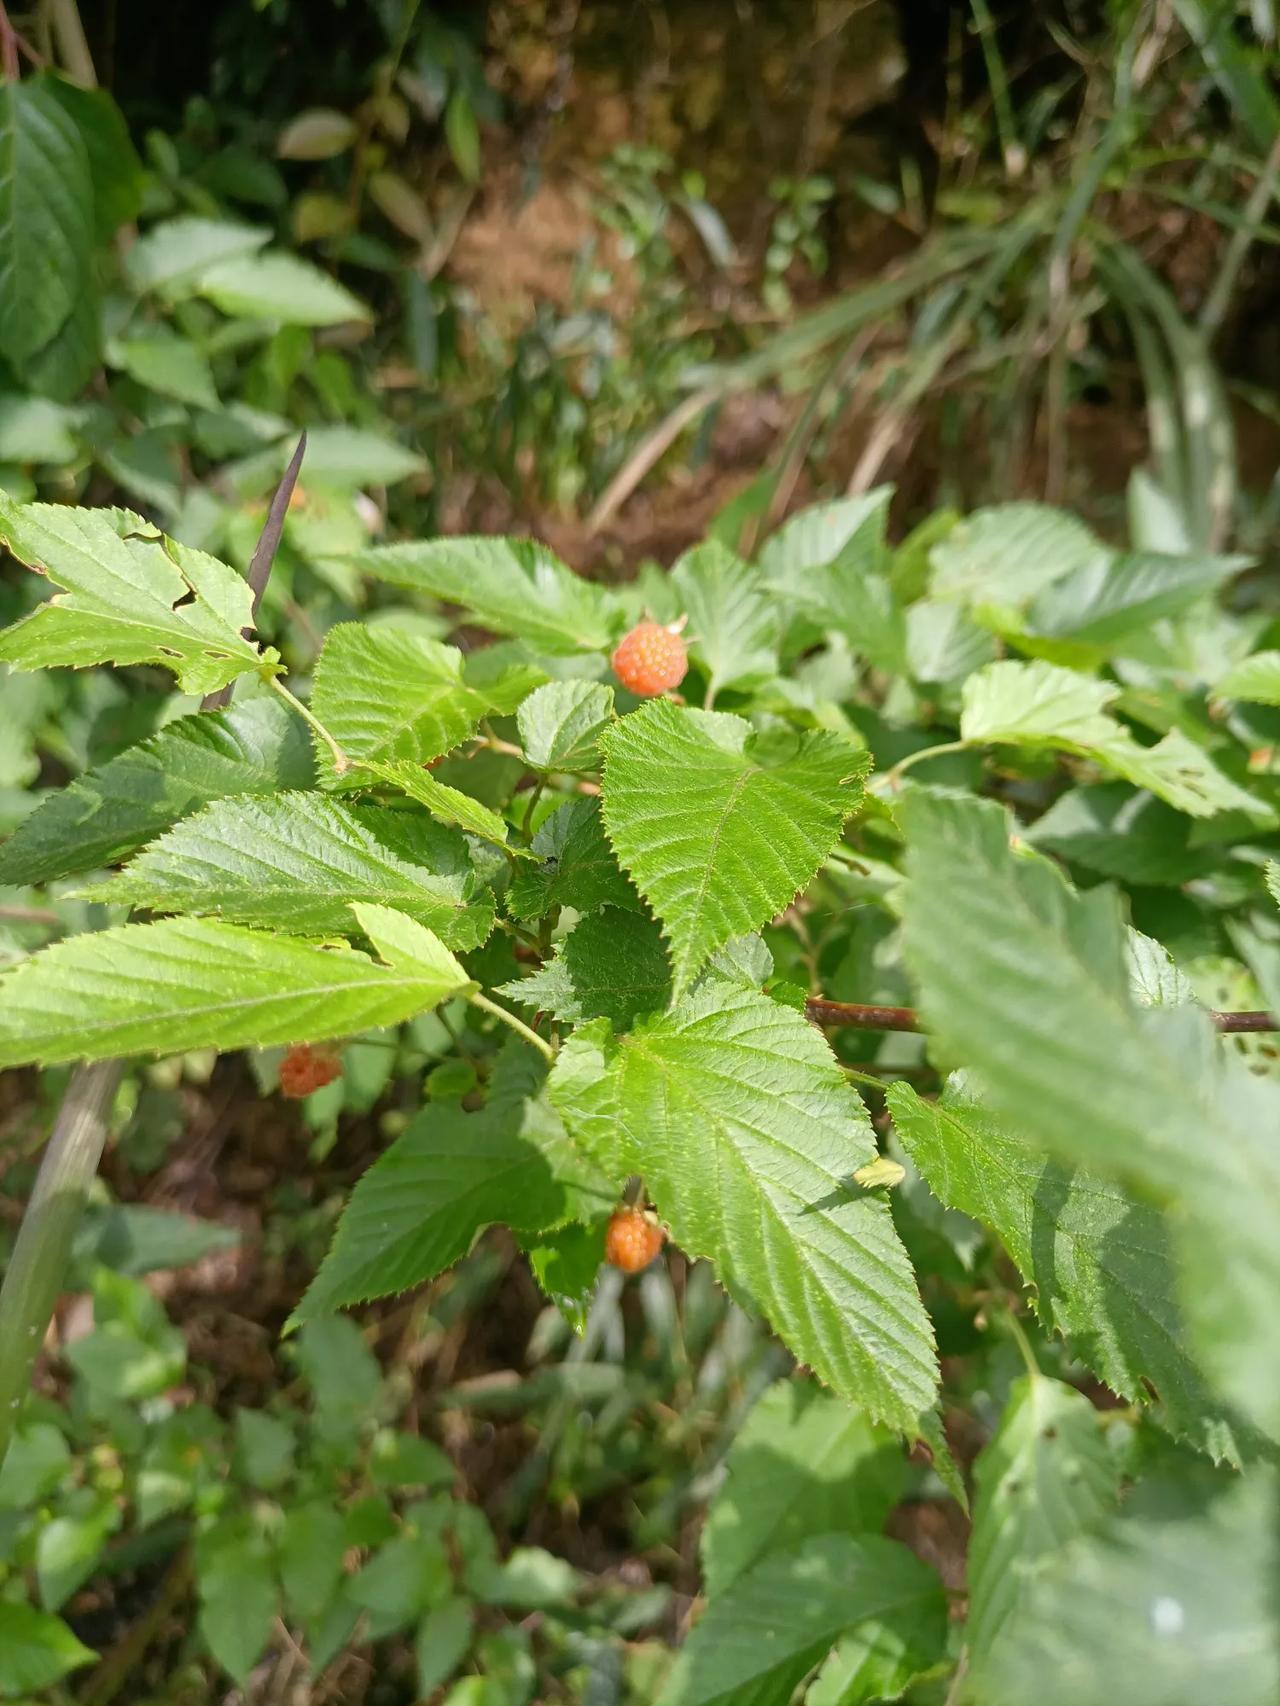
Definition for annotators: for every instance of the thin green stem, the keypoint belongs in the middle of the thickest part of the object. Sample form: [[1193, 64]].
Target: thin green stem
[[37, 1267], [341, 763], [1024, 1345], [855, 1076], [517, 1025], [535, 794], [920, 755]]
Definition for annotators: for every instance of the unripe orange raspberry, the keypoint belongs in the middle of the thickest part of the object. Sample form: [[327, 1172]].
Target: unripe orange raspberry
[[305, 1069], [632, 1240], [651, 659]]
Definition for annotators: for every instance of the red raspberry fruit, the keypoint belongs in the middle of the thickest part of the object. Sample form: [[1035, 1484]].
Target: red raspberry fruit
[[651, 659], [305, 1069], [632, 1240]]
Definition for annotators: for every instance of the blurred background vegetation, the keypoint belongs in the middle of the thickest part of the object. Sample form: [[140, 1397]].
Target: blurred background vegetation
[[618, 275]]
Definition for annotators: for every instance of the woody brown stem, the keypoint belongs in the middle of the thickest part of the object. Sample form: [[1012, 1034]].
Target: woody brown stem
[[858, 1016]]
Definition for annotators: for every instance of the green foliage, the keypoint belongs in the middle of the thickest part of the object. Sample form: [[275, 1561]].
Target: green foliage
[[761, 1637], [803, 1464], [255, 748], [1096, 1256], [718, 824], [745, 1131], [1169, 1600], [1045, 1476], [414, 838], [192, 983], [298, 862], [132, 596], [1030, 1009], [449, 1176]]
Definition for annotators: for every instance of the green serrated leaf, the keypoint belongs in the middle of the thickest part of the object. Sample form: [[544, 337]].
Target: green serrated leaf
[[561, 723], [185, 983], [1028, 983], [733, 621], [804, 1463], [512, 586], [68, 1548], [1107, 600], [441, 1643], [251, 749], [310, 1554], [1182, 773], [1097, 1257], [835, 569], [450, 1174], [1043, 705], [345, 458], [129, 1238], [1257, 680], [132, 596], [575, 867], [879, 1663], [1172, 1600], [566, 1264], [450, 805], [387, 693], [740, 1120], [36, 1649], [1009, 552], [721, 826], [1109, 828], [1045, 1476], [849, 528], [762, 1636], [297, 862], [612, 965], [1037, 703], [1154, 980]]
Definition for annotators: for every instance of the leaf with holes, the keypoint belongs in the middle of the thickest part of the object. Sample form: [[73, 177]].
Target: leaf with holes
[[513, 586], [131, 596]]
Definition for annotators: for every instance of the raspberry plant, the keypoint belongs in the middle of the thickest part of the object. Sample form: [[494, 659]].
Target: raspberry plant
[[926, 769]]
